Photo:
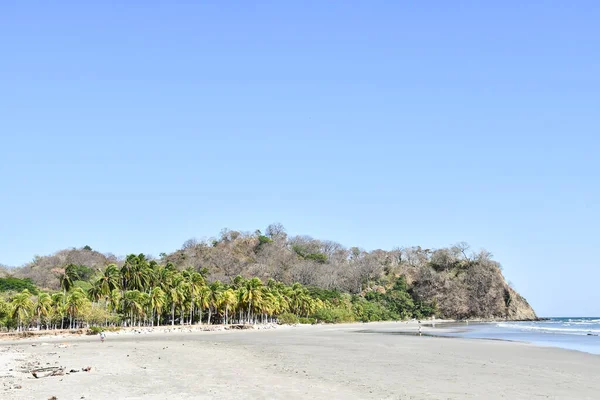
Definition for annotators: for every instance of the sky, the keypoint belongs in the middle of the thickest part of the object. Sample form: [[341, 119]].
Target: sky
[[133, 127]]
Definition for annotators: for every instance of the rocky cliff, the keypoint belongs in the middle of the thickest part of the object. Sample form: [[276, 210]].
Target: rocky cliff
[[519, 309], [470, 288]]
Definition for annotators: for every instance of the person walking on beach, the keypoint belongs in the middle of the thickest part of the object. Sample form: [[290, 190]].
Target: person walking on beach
[[102, 335]]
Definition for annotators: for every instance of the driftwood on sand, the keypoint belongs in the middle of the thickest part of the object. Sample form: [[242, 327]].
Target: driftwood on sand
[[48, 371]]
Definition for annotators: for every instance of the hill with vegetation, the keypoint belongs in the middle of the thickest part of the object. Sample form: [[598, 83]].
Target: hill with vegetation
[[242, 277]]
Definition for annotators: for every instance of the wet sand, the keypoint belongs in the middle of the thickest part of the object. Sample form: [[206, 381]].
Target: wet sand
[[316, 362]]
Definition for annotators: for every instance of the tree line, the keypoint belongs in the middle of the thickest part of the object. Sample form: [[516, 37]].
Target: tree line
[[143, 292], [343, 283]]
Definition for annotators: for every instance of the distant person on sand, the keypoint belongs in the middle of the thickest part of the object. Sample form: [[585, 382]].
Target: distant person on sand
[[102, 335]]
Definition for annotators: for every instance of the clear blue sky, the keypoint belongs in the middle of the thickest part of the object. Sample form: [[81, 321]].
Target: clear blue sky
[[134, 127]]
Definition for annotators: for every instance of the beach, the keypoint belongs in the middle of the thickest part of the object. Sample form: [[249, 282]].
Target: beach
[[350, 361]]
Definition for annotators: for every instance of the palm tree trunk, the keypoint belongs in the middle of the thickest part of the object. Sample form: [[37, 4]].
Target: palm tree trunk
[[192, 310]]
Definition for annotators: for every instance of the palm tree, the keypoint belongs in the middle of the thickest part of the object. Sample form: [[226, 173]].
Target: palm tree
[[268, 304], [184, 298], [5, 309], [212, 295], [175, 294], [67, 277], [161, 277], [281, 301], [203, 300], [238, 282], [109, 280], [95, 292], [58, 307], [227, 300], [194, 281], [75, 303], [114, 300], [43, 308], [251, 295], [157, 302], [154, 277], [21, 307], [144, 300], [133, 304], [136, 273], [126, 271], [105, 285], [142, 290], [300, 300], [240, 303]]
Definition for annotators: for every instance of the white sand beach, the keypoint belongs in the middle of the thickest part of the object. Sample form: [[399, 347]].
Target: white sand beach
[[304, 362]]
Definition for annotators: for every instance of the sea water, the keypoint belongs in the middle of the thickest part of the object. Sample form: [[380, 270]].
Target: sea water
[[572, 333]]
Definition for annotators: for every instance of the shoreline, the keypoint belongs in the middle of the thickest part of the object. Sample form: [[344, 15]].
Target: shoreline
[[215, 327], [486, 330], [448, 329]]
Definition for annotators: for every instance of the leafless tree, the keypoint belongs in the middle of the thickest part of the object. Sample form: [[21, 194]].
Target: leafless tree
[[276, 231], [190, 243], [463, 248]]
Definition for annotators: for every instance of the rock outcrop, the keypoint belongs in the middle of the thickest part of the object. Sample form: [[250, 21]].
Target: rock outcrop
[[519, 309], [471, 289]]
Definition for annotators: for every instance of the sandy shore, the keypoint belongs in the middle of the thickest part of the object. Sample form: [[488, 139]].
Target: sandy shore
[[316, 362]]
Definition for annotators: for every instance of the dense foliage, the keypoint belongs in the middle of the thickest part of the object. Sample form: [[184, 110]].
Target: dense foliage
[[143, 292], [15, 284], [255, 277]]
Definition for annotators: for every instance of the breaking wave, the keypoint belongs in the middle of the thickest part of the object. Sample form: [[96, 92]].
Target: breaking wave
[[565, 326]]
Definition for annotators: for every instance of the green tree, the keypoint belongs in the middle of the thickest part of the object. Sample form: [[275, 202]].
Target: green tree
[[136, 272], [212, 295], [133, 306], [227, 301], [157, 302], [43, 308], [109, 280], [22, 307], [75, 304], [68, 275], [10, 284], [195, 281], [176, 294], [58, 308], [251, 295]]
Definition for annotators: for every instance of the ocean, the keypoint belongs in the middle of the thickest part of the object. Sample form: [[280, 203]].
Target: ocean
[[574, 333]]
